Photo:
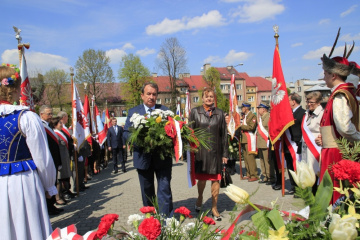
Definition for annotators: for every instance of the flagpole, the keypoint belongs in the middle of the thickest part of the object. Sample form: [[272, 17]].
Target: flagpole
[[72, 122], [276, 36]]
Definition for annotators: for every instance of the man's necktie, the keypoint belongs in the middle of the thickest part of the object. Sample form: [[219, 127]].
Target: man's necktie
[[150, 110], [115, 130]]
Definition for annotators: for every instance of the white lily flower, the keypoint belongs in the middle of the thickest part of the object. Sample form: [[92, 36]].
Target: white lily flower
[[304, 176], [237, 194]]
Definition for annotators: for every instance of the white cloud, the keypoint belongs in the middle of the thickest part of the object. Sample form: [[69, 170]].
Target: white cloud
[[168, 26], [349, 38], [296, 44], [37, 61], [318, 53], [350, 10], [258, 10], [324, 21], [115, 55], [144, 52], [128, 46], [232, 57]]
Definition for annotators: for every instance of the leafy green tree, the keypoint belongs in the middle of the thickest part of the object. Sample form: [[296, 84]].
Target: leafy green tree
[[55, 80], [93, 68], [133, 74], [172, 61], [212, 77]]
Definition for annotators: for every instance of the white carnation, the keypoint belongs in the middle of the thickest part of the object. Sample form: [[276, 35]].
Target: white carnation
[[188, 227], [168, 113], [134, 217], [134, 116]]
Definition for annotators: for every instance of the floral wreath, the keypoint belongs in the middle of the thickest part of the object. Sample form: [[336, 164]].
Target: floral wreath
[[10, 80]]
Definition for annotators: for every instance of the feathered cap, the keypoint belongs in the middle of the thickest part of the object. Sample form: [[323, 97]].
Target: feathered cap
[[338, 65]]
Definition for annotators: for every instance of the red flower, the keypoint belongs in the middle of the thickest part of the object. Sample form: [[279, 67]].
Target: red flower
[[208, 221], [242, 231], [170, 130], [102, 229], [147, 210], [184, 211], [111, 218], [150, 228], [347, 170]]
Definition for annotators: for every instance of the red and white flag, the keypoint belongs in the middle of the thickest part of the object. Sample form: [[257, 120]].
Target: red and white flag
[[187, 106], [100, 127], [234, 110], [107, 120], [26, 98], [87, 118], [80, 122], [281, 116]]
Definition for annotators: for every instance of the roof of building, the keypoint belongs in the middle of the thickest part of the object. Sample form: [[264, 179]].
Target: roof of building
[[262, 84], [196, 82], [319, 87], [313, 82], [226, 73]]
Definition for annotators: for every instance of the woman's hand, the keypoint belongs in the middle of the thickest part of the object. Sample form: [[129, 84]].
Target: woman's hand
[[224, 160]]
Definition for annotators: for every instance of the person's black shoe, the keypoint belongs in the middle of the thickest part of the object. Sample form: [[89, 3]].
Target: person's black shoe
[[116, 171], [270, 183], [291, 191], [67, 196], [124, 170], [276, 187], [263, 181]]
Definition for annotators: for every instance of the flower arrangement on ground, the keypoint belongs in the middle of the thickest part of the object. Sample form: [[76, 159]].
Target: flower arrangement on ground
[[165, 133], [318, 220]]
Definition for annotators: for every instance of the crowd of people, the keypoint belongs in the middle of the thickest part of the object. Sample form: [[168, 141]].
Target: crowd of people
[[38, 151]]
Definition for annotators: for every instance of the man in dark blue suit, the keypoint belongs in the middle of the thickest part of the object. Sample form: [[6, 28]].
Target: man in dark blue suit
[[116, 144], [150, 164]]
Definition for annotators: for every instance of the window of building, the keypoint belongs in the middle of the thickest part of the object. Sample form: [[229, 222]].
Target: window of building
[[239, 97], [263, 98], [269, 97], [167, 100], [251, 99], [158, 101], [299, 89], [183, 89], [238, 86], [195, 99], [222, 86]]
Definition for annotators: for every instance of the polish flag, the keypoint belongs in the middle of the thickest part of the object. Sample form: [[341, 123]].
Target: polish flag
[[100, 127], [26, 98]]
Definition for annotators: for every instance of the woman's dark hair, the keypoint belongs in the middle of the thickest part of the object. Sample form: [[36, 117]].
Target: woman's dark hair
[[54, 121]]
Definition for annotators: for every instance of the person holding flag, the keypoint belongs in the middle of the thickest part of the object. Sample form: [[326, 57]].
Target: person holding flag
[[248, 142], [262, 142]]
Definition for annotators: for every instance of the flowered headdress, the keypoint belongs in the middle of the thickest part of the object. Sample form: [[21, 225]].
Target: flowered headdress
[[10, 80], [338, 65]]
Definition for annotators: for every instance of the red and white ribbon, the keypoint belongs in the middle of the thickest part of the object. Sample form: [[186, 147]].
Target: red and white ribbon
[[310, 139], [67, 233], [263, 133], [292, 148]]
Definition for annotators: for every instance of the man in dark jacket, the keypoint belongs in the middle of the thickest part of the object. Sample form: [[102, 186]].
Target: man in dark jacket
[[296, 136], [46, 114], [116, 144], [149, 164]]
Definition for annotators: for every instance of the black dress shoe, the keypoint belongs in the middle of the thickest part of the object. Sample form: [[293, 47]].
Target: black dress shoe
[[116, 171], [291, 191], [124, 170], [276, 187], [270, 183], [263, 181]]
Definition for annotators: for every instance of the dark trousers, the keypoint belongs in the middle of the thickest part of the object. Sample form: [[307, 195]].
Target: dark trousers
[[117, 155], [164, 195]]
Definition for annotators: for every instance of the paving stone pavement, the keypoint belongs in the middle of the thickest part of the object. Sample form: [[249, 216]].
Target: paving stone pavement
[[120, 193]]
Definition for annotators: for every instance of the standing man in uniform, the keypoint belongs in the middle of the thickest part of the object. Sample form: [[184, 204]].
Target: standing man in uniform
[[262, 142], [150, 164], [248, 142]]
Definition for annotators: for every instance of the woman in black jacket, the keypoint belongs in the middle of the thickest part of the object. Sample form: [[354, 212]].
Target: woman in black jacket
[[208, 162]]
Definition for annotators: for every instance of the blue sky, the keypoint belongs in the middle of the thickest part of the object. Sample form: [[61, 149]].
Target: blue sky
[[219, 32]]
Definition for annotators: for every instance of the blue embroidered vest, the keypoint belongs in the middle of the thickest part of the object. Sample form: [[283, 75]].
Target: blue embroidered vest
[[15, 155]]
